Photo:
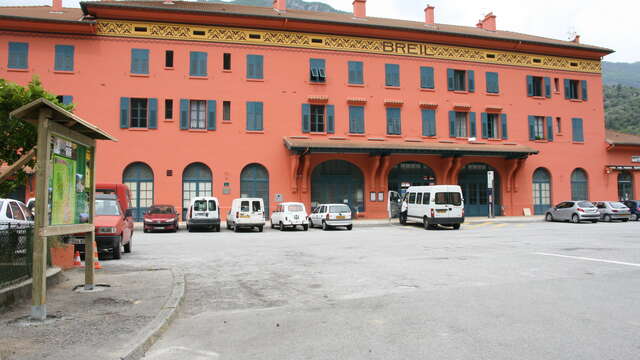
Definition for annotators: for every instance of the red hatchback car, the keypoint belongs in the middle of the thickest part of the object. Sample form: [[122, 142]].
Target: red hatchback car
[[161, 217]]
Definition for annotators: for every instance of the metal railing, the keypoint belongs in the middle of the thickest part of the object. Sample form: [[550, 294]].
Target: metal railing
[[15, 252]]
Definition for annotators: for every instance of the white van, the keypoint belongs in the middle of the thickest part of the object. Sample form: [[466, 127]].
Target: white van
[[434, 205], [204, 213], [246, 213]]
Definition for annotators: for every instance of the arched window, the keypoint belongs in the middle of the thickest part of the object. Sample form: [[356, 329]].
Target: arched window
[[625, 186], [254, 182], [579, 185], [541, 191], [337, 181], [138, 177], [196, 181]]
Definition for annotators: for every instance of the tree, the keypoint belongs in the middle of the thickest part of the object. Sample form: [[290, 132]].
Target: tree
[[17, 136]]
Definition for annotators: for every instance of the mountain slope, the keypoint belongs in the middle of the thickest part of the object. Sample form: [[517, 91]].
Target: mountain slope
[[627, 74], [292, 4]]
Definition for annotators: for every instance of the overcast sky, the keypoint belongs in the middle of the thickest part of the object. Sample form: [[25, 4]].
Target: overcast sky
[[606, 24]]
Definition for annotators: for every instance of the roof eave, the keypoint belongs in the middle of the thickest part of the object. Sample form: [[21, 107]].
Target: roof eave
[[77, 22]]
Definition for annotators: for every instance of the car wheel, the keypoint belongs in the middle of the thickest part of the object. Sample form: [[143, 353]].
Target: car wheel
[[625, 220], [311, 224], [236, 228], [260, 228], [403, 220], [228, 226], [575, 218], [325, 227], [127, 246], [349, 227], [145, 230], [272, 226], [218, 228], [305, 227], [281, 226], [426, 224], [548, 217], [456, 226], [116, 249], [594, 221], [607, 218], [634, 217]]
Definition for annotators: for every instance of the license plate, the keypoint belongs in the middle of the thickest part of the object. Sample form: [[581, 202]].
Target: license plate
[[77, 241], [296, 217], [244, 216], [160, 227], [440, 211], [340, 217]]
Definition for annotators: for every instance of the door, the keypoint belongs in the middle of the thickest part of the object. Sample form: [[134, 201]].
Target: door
[[541, 191], [473, 181], [254, 183], [139, 179], [197, 180], [338, 182], [393, 204]]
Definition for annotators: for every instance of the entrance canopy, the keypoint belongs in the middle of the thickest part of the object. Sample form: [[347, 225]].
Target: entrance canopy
[[383, 147]]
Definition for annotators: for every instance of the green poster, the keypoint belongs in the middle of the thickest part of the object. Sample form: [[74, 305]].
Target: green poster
[[63, 197]]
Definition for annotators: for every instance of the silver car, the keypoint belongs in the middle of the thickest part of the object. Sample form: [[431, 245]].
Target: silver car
[[574, 211], [613, 210]]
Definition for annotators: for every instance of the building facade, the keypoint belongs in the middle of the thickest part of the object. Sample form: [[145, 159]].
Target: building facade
[[301, 106]]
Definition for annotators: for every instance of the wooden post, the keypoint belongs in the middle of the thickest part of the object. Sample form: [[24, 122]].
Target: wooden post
[[43, 172], [89, 272]]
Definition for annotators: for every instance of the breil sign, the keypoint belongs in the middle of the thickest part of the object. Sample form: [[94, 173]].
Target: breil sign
[[405, 48]]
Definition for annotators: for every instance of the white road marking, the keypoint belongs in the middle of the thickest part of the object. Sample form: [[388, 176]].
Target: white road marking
[[591, 259]]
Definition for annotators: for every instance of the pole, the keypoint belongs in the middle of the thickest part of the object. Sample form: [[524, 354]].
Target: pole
[[89, 272], [43, 172]]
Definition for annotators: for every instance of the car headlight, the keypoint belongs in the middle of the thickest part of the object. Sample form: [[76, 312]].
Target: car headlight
[[106, 230], [148, 220], [169, 220]]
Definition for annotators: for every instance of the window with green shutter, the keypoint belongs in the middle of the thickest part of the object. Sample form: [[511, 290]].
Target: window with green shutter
[[317, 119], [255, 67], [577, 130], [426, 77], [65, 99], [139, 109], [536, 86], [18, 55], [255, 116], [317, 71], [63, 58], [428, 122], [356, 72], [393, 121], [197, 63], [356, 119], [140, 61], [493, 84], [490, 124], [392, 75], [572, 89], [460, 80], [540, 128]]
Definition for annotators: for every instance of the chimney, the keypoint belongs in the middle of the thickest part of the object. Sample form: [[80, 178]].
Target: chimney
[[577, 39], [488, 23], [56, 6], [360, 8], [430, 15], [280, 5]]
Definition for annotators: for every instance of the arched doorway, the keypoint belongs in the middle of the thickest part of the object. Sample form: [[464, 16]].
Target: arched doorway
[[338, 181], [410, 173], [541, 191], [473, 181], [579, 185], [139, 179], [625, 186], [196, 181], [254, 182]]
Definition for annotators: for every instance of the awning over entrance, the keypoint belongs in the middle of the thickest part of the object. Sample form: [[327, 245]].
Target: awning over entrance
[[386, 147]]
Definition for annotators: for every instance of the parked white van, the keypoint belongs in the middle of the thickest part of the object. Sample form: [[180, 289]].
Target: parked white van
[[434, 205], [290, 214], [204, 213], [246, 213]]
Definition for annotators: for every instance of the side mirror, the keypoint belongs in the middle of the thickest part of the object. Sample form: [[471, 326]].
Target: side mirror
[[128, 213]]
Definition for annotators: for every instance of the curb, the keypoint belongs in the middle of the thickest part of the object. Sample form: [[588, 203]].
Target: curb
[[22, 290], [152, 332]]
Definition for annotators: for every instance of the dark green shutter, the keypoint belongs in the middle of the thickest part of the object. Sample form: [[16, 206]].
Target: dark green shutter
[[485, 125], [67, 99], [259, 110], [355, 72], [547, 87], [451, 80], [505, 134], [202, 64], [426, 77], [493, 85], [184, 114], [567, 89], [361, 120], [193, 63], [306, 118], [532, 127], [472, 124], [389, 122], [330, 119], [211, 115], [251, 116], [124, 113], [578, 132], [153, 113], [471, 80], [549, 128], [428, 122], [529, 85], [583, 84], [452, 123]]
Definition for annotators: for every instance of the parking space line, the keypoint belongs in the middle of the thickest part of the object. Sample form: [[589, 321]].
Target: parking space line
[[591, 259]]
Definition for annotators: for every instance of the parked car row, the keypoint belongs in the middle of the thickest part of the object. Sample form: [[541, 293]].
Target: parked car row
[[579, 211]]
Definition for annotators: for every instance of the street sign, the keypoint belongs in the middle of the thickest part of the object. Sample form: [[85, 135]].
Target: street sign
[[490, 179]]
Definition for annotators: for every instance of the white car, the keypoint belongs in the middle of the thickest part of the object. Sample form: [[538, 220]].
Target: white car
[[331, 215], [14, 214], [204, 212], [246, 213], [290, 214]]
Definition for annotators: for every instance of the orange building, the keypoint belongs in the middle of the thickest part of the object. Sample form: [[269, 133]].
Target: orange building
[[304, 106]]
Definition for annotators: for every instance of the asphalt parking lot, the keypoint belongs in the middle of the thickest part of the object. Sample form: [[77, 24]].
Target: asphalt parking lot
[[489, 291]]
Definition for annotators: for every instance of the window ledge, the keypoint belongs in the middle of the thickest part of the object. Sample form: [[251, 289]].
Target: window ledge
[[492, 94], [538, 97], [460, 91], [198, 77], [494, 139], [357, 135], [427, 90], [317, 82], [541, 141], [169, 68], [578, 142], [227, 71], [254, 80], [429, 137], [576, 100], [197, 130], [317, 133], [139, 75], [18, 70], [168, 120], [227, 122], [64, 72], [394, 136], [139, 129], [254, 131], [355, 85], [392, 87]]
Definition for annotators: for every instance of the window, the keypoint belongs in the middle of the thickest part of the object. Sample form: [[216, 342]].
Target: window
[[64, 58], [139, 113], [428, 122], [197, 114], [575, 89], [556, 85], [356, 72], [494, 126], [356, 119], [426, 78], [426, 198], [318, 118], [317, 70], [540, 128], [226, 61], [392, 74], [168, 109], [493, 131], [493, 85], [168, 59], [577, 130], [460, 80], [255, 116], [254, 67], [559, 125], [539, 86], [448, 198], [65, 99], [140, 61], [412, 198], [462, 124], [393, 121], [226, 111], [579, 185], [18, 55], [419, 198], [198, 63]]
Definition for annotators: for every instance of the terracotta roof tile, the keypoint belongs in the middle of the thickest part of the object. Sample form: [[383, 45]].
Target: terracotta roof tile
[[618, 138], [42, 13]]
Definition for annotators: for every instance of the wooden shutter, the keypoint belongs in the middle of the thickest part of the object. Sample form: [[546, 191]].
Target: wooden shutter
[[124, 113], [529, 85], [578, 132], [567, 87], [202, 64], [451, 79], [390, 126], [330, 119], [258, 116], [251, 116], [547, 87], [67, 99], [59, 61], [260, 66], [583, 86], [532, 127], [426, 77], [153, 113], [193, 63], [471, 80], [355, 72], [18, 55], [184, 114], [428, 122], [472, 124], [211, 115], [493, 86], [306, 118], [505, 134], [485, 125], [549, 128], [452, 123]]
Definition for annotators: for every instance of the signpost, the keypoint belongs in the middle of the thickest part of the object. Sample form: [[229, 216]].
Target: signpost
[[65, 187], [490, 196]]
